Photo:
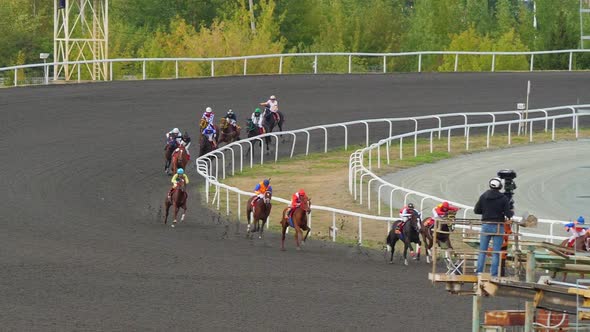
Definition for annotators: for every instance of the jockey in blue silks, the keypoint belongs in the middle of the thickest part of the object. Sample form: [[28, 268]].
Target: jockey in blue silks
[[210, 133]]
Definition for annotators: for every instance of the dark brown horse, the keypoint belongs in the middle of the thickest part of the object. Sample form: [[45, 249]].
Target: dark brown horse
[[260, 212], [179, 159], [443, 237], [205, 146], [178, 200], [299, 219], [408, 233], [228, 133], [168, 150]]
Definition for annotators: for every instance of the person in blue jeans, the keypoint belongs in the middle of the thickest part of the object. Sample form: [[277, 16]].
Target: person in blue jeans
[[495, 210]]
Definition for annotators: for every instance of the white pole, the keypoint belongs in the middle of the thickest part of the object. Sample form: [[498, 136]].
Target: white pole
[[526, 110]]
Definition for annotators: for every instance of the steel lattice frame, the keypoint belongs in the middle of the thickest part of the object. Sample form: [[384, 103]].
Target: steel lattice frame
[[81, 32]]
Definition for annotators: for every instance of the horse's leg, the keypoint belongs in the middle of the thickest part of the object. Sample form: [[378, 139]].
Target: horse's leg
[[176, 208], [167, 208], [297, 231], [392, 245], [419, 245], [183, 208], [248, 218], [306, 233], [283, 230], [406, 246]]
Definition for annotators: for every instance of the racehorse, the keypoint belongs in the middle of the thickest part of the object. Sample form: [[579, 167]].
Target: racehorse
[[253, 131], [168, 150], [409, 233], [179, 159], [260, 211], [205, 146], [443, 236], [270, 122], [228, 133], [299, 222], [178, 199], [581, 244]]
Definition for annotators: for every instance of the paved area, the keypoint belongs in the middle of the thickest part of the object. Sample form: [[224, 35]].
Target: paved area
[[82, 247]]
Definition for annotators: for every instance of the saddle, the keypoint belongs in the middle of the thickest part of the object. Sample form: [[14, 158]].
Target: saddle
[[399, 228]]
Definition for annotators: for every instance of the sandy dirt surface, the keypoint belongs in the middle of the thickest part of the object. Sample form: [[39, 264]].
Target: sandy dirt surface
[[83, 249]]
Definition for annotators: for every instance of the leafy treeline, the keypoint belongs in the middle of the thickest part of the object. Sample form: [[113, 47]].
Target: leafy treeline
[[215, 28]]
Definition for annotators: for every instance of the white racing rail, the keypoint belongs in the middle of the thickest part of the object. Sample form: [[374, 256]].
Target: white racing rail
[[315, 65], [217, 164], [358, 171]]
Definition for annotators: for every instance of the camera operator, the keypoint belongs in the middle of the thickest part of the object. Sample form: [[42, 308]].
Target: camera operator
[[495, 209]]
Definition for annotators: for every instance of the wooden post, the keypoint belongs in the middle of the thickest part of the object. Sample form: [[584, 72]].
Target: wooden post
[[529, 306]]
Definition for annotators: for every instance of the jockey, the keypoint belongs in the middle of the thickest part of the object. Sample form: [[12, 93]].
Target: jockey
[[257, 120], [577, 229], [441, 210], [208, 115], [231, 118], [296, 200], [186, 141], [210, 133], [272, 105], [176, 178], [173, 137], [260, 189], [407, 211]]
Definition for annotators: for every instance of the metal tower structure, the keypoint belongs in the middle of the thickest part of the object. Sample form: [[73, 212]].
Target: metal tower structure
[[81, 32], [584, 14]]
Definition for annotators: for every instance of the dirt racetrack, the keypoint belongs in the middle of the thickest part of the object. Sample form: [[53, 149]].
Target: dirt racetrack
[[82, 247]]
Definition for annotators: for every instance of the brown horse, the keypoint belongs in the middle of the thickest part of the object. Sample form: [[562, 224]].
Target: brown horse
[[228, 133], [299, 219], [178, 200], [179, 159], [260, 212], [582, 244], [443, 238], [168, 150]]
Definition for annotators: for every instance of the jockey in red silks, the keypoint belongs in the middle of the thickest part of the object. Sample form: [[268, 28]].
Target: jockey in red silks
[[296, 200], [176, 178], [577, 228], [261, 189], [441, 210], [208, 115]]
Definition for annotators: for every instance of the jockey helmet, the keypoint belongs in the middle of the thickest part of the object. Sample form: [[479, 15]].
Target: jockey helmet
[[180, 171], [208, 110], [445, 206], [301, 192], [496, 183], [257, 110], [266, 182], [410, 205], [230, 112], [580, 220], [175, 131], [273, 97]]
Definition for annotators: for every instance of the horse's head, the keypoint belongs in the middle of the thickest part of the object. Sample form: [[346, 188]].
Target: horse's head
[[203, 124], [306, 204], [450, 220], [267, 197], [414, 222], [180, 183], [223, 123]]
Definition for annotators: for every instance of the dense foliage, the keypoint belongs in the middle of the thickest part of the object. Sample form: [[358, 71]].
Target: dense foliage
[[208, 28]]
